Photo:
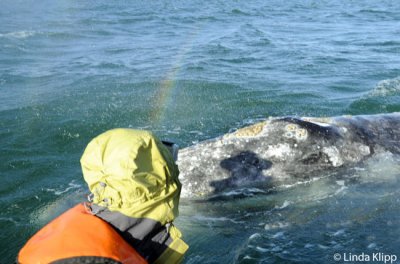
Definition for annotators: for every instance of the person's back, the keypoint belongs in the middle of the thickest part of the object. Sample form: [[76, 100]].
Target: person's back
[[134, 198]]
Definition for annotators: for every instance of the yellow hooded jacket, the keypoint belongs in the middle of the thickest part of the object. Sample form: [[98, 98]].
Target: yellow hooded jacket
[[134, 186]]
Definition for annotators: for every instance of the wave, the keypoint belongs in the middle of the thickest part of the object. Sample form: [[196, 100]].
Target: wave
[[237, 11], [203, 218], [240, 60], [71, 186], [375, 11], [238, 193], [19, 34], [383, 98], [386, 88]]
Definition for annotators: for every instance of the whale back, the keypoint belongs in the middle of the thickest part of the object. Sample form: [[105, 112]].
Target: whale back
[[280, 149]]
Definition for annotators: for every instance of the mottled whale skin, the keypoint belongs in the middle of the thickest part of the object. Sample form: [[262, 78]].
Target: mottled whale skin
[[279, 149]]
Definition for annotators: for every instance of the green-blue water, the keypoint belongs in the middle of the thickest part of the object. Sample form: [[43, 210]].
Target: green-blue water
[[189, 71]]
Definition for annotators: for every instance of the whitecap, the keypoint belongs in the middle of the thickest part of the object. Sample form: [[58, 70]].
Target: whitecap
[[284, 205], [372, 245], [196, 132], [276, 225], [261, 249], [19, 34], [386, 87], [279, 235], [254, 236], [8, 219], [302, 182], [71, 186], [340, 183], [341, 189], [242, 192], [322, 246], [339, 232], [215, 219]]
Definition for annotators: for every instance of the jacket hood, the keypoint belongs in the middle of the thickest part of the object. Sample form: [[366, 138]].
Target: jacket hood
[[132, 172]]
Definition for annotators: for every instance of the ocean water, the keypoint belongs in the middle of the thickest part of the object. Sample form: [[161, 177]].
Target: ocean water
[[190, 71]]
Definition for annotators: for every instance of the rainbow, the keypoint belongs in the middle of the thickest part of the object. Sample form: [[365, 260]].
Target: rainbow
[[165, 93]]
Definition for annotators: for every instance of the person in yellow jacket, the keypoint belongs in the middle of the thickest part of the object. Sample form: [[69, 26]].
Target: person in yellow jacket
[[133, 180]]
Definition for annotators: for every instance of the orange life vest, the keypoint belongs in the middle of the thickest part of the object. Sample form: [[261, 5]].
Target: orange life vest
[[77, 233]]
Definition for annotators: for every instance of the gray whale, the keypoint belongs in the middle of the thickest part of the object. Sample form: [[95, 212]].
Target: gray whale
[[280, 149]]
